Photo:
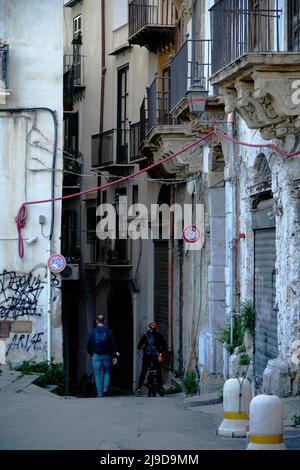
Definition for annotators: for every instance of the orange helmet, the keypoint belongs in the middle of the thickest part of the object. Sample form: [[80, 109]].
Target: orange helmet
[[153, 325]]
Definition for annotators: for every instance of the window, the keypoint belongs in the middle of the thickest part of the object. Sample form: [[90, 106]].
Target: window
[[69, 232], [77, 42], [294, 25], [123, 122], [120, 253], [76, 25], [91, 224], [135, 194]]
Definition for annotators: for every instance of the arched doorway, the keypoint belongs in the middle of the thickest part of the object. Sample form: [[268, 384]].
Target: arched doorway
[[120, 321]]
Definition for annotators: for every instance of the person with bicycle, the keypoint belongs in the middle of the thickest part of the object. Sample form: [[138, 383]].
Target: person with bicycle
[[153, 345]]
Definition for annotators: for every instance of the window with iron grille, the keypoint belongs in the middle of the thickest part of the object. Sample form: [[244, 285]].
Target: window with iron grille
[[123, 122], [4, 64], [294, 25], [76, 25]]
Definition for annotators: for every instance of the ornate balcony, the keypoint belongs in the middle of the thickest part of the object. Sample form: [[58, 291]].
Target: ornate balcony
[[165, 134], [255, 62], [110, 150], [151, 23]]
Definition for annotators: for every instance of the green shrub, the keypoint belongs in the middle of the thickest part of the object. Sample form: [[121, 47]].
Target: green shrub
[[220, 393], [238, 333], [53, 374], [173, 389], [244, 359], [245, 320], [189, 383], [248, 314], [296, 420]]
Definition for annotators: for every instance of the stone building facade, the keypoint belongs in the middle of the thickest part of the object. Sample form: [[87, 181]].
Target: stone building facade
[[249, 191], [30, 170]]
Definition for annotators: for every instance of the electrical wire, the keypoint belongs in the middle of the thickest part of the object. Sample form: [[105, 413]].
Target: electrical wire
[[21, 216]]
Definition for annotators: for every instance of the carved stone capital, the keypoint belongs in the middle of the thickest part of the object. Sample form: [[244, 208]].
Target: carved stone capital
[[167, 140], [265, 91]]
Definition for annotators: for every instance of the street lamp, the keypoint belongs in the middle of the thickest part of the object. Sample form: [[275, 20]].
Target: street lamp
[[196, 96]]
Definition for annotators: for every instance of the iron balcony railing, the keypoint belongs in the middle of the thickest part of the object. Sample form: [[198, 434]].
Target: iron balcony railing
[[4, 64], [137, 135], [74, 67], [143, 13], [158, 103], [192, 61], [239, 27], [110, 147], [143, 120]]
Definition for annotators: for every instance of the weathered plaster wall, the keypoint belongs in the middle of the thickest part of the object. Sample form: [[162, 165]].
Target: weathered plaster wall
[[26, 146], [284, 171]]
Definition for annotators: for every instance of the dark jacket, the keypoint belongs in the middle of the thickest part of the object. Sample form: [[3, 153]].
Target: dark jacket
[[102, 341], [152, 342]]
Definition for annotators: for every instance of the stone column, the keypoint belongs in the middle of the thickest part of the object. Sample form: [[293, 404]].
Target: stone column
[[216, 273]]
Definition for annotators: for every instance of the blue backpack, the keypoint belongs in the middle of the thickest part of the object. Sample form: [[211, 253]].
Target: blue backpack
[[102, 340], [151, 342]]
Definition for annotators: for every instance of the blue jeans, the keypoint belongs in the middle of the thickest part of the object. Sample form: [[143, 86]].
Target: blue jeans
[[100, 362]]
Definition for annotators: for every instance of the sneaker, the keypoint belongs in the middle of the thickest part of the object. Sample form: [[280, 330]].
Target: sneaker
[[138, 390]]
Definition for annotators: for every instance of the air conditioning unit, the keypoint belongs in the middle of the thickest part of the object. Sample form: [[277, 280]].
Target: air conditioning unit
[[71, 273]]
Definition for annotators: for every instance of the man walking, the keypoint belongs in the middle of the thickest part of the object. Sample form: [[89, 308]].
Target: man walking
[[102, 347], [153, 343]]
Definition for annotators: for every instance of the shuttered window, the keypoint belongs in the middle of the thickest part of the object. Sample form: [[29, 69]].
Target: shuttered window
[[161, 286], [266, 341]]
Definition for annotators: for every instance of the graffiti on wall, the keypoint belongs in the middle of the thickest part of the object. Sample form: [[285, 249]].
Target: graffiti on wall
[[26, 342], [19, 295]]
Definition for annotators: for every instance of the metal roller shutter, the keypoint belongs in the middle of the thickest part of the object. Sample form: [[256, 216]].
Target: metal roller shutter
[[161, 257], [266, 341]]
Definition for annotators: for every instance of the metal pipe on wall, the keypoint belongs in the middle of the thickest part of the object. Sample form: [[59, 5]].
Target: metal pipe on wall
[[170, 273], [230, 227]]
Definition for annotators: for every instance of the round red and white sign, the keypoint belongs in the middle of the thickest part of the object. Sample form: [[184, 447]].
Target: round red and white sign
[[57, 263], [191, 234]]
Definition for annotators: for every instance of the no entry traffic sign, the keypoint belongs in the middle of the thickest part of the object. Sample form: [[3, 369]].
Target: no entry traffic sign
[[56, 263], [191, 234]]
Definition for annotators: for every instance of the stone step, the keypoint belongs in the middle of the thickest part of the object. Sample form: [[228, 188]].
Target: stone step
[[19, 384], [7, 376]]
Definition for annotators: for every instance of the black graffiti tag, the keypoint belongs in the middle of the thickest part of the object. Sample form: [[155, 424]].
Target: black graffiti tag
[[19, 295], [26, 342], [55, 282]]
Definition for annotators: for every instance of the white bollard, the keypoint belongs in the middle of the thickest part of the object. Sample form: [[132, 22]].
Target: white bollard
[[2, 353], [236, 402], [266, 423]]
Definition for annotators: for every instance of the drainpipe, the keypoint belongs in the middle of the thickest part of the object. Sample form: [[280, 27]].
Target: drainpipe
[[170, 274], [134, 313], [103, 66], [49, 306], [230, 191]]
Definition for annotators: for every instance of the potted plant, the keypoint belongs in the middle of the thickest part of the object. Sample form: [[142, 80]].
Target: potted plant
[[77, 39]]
